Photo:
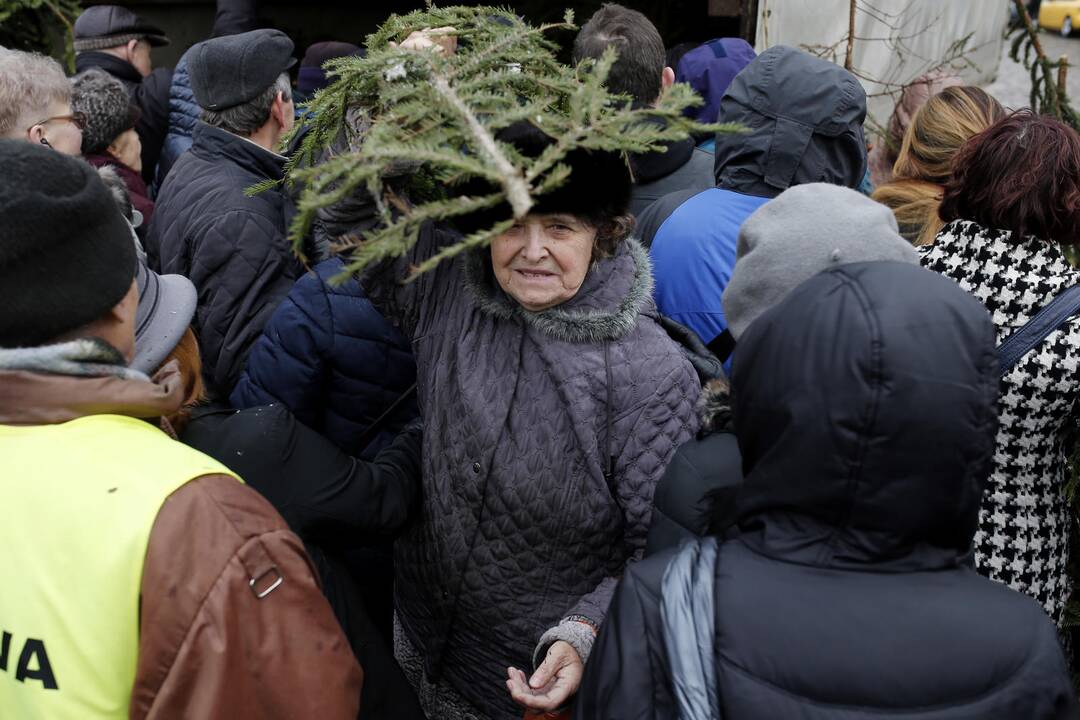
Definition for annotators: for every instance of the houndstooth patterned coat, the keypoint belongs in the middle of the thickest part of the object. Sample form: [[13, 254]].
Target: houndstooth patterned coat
[[1024, 521]]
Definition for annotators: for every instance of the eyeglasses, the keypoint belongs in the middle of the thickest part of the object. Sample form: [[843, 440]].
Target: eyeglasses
[[77, 119]]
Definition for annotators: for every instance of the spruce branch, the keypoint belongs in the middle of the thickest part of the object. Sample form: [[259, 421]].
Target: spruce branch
[[413, 129]]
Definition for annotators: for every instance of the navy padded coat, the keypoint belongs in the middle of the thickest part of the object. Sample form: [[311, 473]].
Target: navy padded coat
[[333, 360]]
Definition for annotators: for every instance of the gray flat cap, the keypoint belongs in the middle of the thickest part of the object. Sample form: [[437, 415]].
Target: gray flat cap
[[807, 229], [106, 26], [230, 70]]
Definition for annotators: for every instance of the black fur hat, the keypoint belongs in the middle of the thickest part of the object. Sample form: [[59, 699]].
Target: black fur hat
[[599, 185]]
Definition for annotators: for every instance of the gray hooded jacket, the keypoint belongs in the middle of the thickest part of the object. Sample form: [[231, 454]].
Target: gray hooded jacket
[[519, 529]]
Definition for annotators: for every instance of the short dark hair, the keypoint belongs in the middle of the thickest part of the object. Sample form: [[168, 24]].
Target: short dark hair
[[1021, 174], [641, 51]]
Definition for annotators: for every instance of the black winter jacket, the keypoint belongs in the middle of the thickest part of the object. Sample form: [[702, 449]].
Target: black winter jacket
[[679, 166], [234, 248], [847, 592], [334, 502], [150, 93]]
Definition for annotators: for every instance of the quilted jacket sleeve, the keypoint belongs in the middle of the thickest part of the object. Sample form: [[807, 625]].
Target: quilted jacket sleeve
[[664, 421], [288, 362], [412, 306], [241, 279]]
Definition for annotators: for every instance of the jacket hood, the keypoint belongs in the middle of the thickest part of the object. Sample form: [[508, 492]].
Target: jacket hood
[[873, 442], [805, 121], [606, 307]]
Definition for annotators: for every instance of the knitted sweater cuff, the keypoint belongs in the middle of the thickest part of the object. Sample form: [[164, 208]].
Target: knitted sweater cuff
[[579, 633]]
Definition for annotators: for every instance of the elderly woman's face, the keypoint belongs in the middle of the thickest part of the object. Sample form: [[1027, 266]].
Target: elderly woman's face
[[542, 261]]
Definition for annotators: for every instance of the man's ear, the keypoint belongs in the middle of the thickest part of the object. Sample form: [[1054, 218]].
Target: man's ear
[[129, 50], [667, 78], [279, 109]]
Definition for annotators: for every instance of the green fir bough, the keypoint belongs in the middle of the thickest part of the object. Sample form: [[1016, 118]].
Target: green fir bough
[[438, 114]]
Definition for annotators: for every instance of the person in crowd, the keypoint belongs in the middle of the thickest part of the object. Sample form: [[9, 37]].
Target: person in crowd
[[640, 73], [329, 356], [804, 117], [109, 138], [233, 246], [118, 41], [709, 70], [194, 599], [937, 131], [332, 500], [886, 151], [552, 399], [846, 589], [312, 76], [1011, 204], [232, 18], [807, 229], [35, 102]]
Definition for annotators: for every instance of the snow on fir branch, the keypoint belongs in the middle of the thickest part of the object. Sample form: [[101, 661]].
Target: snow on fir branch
[[439, 114]]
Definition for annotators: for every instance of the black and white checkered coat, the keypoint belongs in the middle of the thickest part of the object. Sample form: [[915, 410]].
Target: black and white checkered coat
[[1024, 521]]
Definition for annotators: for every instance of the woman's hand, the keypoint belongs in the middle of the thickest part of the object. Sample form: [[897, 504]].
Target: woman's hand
[[553, 683]]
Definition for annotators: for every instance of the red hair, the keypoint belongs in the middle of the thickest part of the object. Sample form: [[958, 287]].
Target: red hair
[[1021, 174]]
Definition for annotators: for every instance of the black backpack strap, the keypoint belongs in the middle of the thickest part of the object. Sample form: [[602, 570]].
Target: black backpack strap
[[1038, 328]]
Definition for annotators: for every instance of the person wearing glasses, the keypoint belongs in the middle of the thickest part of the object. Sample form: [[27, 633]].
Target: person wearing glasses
[[35, 102]]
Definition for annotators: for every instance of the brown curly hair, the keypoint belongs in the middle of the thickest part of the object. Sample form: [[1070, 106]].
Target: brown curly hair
[[1022, 174]]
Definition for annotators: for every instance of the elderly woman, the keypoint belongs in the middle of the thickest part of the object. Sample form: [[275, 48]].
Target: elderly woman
[[109, 138], [1012, 202], [552, 401]]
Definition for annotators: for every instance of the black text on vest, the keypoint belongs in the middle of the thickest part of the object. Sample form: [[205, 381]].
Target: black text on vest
[[33, 650]]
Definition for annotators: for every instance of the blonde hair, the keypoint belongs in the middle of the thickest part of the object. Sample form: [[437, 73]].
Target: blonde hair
[[28, 83], [186, 354], [938, 130]]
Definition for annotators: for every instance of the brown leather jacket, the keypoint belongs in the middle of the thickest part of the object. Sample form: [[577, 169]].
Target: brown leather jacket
[[208, 646]]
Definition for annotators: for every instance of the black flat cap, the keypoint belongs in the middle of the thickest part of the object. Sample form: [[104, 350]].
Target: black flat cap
[[106, 26], [230, 70]]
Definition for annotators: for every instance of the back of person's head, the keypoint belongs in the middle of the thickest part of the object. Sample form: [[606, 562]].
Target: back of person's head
[[30, 84], [865, 410], [189, 364], [1020, 175], [936, 133], [709, 69], [106, 108], [239, 80], [312, 76], [804, 117], [805, 230], [640, 64], [67, 256], [912, 97]]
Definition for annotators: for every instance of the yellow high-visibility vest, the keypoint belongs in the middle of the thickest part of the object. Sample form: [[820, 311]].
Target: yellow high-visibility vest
[[77, 503]]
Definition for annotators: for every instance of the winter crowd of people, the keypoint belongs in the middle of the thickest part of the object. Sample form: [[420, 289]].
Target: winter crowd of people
[[758, 425]]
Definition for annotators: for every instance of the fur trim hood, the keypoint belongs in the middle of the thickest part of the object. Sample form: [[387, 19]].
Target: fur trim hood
[[606, 307]]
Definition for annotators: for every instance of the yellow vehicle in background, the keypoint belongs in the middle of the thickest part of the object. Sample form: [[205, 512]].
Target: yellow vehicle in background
[[1062, 15]]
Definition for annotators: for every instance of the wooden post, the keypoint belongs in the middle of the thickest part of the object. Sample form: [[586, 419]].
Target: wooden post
[[1063, 75], [848, 57], [748, 22]]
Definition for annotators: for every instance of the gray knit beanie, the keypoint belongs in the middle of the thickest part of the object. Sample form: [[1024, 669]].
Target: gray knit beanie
[[805, 230], [107, 107]]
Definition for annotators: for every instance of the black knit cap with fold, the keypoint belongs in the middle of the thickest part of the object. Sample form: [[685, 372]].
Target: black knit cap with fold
[[66, 254]]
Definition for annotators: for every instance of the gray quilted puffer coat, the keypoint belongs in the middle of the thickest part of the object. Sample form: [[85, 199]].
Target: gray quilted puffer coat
[[518, 529]]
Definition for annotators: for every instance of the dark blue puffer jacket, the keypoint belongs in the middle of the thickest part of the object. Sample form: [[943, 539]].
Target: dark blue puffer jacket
[[183, 116], [331, 358]]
